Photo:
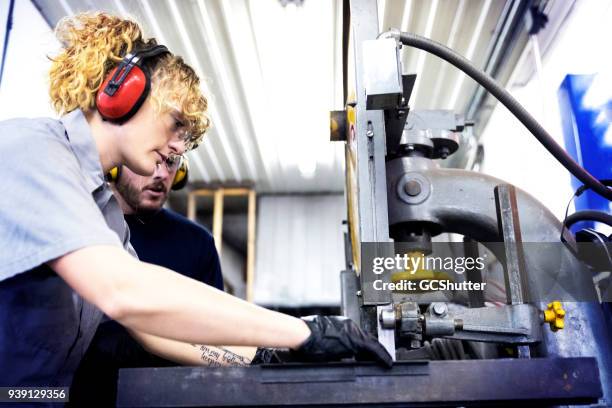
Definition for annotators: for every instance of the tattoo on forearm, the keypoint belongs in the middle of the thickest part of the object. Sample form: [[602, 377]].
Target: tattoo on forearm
[[219, 356]]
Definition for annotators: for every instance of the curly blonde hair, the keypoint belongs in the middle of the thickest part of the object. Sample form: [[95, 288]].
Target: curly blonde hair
[[94, 44]]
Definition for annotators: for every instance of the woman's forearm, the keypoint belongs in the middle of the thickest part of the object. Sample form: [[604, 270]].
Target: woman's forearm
[[195, 354], [177, 307], [157, 301]]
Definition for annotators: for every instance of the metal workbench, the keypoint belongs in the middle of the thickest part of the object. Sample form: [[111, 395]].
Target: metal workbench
[[506, 382]]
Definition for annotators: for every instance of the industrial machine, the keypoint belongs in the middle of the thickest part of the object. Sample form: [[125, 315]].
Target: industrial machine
[[546, 343]]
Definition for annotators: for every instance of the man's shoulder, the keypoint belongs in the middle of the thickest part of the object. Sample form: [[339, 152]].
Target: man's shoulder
[[184, 223]]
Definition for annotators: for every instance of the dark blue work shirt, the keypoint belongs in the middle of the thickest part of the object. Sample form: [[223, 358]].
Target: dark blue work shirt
[[173, 241], [166, 239]]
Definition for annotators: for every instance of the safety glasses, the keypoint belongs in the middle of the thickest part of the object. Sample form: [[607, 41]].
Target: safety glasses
[[173, 162]]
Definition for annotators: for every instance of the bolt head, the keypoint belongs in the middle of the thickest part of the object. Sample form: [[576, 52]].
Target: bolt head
[[439, 309], [412, 188]]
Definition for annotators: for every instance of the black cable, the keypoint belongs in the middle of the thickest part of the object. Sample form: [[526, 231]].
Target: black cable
[[582, 189], [578, 193], [588, 215], [505, 98], [9, 27]]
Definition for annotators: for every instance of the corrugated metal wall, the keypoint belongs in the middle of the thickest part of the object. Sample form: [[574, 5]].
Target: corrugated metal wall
[[300, 250], [273, 72]]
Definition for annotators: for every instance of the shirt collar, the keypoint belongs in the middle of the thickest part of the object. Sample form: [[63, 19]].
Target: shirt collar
[[84, 146]]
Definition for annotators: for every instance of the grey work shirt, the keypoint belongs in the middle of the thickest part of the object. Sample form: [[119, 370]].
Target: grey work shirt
[[53, 200]]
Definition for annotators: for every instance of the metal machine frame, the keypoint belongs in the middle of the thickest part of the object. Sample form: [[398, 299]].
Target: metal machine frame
[[476, 205], [388, 193]]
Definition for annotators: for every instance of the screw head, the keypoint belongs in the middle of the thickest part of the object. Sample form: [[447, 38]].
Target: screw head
[[412, 188]]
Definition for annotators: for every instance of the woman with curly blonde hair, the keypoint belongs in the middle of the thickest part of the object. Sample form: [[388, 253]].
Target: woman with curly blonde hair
[[64, 247]]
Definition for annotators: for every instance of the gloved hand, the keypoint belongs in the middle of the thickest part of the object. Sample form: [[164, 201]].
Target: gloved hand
[[268, 356], [337, 337]]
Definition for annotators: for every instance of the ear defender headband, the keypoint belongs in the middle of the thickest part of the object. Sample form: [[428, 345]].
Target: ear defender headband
[[180, 178], [127, 86]]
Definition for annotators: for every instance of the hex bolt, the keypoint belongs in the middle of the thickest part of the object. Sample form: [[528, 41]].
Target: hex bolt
[[412, 188]]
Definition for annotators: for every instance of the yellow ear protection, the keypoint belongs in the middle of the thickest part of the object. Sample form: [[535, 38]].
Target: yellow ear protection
[[182, 174], [113, 175], [180, 178]]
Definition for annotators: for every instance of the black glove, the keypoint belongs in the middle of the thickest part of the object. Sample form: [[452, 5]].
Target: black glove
[[267, 356], [337, 337]]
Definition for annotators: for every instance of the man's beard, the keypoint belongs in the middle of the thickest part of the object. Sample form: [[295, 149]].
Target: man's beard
[[131, 195]]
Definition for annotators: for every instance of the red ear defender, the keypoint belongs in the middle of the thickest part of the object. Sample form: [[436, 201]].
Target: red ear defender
[[126, 88], [128, 97]]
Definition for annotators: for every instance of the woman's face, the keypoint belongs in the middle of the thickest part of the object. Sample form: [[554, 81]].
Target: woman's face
[[148, 138]]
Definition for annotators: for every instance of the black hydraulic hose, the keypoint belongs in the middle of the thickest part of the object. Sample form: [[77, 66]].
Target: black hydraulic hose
[[509, 102], [588, 215]]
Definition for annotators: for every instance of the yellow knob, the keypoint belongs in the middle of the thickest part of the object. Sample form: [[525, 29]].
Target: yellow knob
[[555, 315]]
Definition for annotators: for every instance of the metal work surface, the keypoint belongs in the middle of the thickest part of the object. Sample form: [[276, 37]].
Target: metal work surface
[[535, 382]]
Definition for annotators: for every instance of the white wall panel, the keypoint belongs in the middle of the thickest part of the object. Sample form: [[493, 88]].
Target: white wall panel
[[300, 250]]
